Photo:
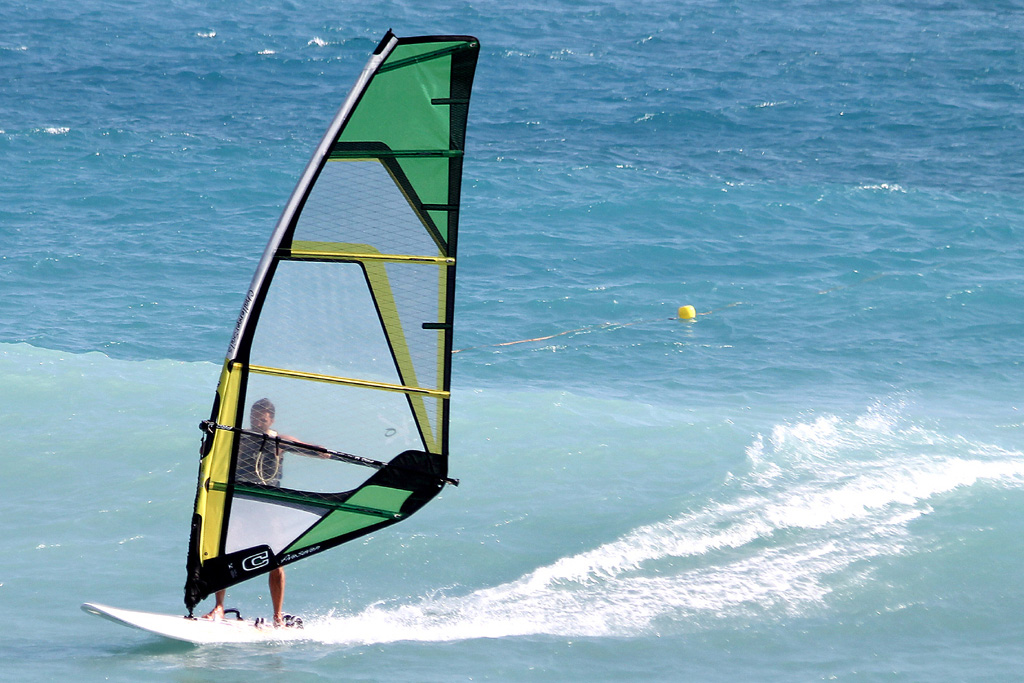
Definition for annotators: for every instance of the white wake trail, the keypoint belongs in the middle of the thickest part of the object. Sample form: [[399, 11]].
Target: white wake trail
[[820, 501]]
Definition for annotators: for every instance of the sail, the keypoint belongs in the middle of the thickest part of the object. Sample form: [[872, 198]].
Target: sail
[[331, 416]]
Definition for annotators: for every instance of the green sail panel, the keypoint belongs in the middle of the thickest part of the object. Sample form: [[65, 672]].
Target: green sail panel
[[425, 159], [331, 415], [367, 507]]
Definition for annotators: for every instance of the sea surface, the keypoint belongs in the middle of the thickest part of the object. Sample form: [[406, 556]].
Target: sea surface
[[820, 477]]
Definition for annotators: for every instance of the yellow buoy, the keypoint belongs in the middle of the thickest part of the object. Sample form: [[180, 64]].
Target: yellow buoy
[[687, 313]]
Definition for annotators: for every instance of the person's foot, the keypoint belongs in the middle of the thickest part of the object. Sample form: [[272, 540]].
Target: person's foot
[[288, 622], [216, 614]]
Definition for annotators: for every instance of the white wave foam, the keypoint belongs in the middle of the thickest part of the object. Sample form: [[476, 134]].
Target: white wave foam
[[888, 187], [821, 499]]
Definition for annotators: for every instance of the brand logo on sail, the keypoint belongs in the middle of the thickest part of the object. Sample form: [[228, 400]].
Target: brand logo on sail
[[257, 561], [242, 316], [302, 553]]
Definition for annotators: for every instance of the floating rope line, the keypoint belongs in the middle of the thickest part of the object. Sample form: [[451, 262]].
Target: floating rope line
[[588, 328], [685, 313]]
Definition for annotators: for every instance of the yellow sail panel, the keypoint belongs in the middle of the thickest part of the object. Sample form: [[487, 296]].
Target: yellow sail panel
[[215, 467]]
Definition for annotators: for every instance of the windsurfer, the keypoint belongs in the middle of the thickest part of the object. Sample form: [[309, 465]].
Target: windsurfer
[[259, 462]]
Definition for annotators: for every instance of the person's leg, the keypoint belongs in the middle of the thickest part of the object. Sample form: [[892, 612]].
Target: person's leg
[[276, 580]]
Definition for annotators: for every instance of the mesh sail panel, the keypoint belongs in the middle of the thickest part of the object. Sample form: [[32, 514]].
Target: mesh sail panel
[[359, 202], [321, 318]]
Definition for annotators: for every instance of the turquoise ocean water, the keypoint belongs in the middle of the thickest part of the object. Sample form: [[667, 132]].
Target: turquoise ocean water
[[819, 478]]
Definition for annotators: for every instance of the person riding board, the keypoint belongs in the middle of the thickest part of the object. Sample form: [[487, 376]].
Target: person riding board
[[260, 462]]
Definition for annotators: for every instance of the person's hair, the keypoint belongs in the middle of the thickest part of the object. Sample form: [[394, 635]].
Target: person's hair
[[263, 406]]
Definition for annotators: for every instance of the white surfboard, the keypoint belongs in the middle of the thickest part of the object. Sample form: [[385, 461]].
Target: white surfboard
[[198, 631]]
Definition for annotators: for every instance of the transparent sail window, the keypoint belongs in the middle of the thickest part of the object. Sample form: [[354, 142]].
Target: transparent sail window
[[358, 202], [367, 423], [320, 318]]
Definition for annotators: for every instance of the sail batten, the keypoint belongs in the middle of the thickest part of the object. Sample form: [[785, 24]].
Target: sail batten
[[349, 381], [398, 64], [344, 338], [284, 496], [366, 155], [326, 254]]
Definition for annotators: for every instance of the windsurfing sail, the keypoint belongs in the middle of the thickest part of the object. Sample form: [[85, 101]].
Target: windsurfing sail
[[345, 336]]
